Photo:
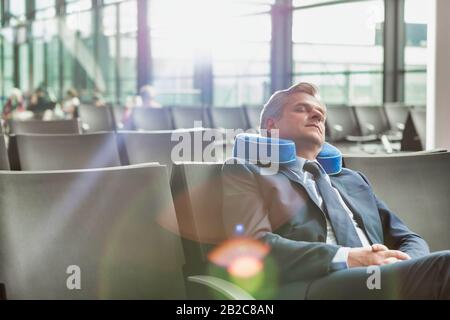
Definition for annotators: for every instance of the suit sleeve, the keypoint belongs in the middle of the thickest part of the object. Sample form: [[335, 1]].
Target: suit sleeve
[[396, 234], [243, 204]]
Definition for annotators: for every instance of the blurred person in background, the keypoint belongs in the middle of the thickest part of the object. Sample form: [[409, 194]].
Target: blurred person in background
[[40, 102], [147, 94], [71, 103], [15, 103], [98, 100]]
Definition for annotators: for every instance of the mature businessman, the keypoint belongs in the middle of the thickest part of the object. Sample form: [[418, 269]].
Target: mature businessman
[[325, 230]]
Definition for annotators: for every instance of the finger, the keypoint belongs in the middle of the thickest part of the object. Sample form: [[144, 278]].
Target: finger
[[379, 247], [396, 254], [390, 260]]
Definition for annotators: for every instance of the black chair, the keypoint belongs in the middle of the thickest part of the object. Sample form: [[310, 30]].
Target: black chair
[[416, 187], [414, 135], [228, 118], [342, 129], [341, 123], [95, 119], [373, 120], [253, 116], [63, 152], [185, 117], [157, 146], [4, 162], [152, 119], [397, 114], [45, 127], [115, 228]]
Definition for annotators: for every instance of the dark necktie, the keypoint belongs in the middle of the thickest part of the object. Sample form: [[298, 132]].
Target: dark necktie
[[341, 222]]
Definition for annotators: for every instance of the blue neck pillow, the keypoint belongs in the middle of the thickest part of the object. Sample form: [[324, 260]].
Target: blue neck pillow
[[247, 145]]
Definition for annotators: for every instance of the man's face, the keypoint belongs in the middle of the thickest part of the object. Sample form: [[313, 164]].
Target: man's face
[[302, 119]]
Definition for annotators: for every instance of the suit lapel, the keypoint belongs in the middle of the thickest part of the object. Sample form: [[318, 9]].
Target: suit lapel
[[292, 172], [361, 205]]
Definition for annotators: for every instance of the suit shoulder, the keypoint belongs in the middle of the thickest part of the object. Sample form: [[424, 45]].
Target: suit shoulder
[[349, 173]]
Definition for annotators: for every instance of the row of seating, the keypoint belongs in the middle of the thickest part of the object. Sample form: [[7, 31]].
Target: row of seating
[[368, 124], [105, 149], [134, 235], [93, 119], [342, 121]]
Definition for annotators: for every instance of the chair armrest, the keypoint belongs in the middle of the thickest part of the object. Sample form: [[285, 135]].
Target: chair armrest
[[368, 138], [228, 289]]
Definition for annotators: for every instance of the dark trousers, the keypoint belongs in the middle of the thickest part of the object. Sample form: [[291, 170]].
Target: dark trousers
[[427, 277]]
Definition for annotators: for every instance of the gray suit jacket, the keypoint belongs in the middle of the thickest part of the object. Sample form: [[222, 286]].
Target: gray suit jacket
[[278, 210]]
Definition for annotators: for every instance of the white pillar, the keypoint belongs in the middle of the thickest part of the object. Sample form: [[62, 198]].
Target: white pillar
[[438, 78]]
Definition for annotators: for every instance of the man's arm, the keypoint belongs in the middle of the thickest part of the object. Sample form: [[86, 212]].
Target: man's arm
[[396, 234], [243, 204]]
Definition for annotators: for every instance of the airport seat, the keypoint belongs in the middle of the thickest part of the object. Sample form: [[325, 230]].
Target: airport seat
[[415, 187], [112, 231], [397, 115], [147, 119], [116, 226], [4, 162], [373, 120], [228, 118], [45, 127], [96, 119], [343, 131], [414, 135], [253, 116], [63, 152], [157, 146], [202, 229], [184, 117]]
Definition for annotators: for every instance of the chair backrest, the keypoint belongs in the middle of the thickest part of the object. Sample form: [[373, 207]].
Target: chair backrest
[[63, 152], [157, 146], [4, 162], [416, 187], [152, 119], [95, 119], [414, 135], [184, 117], [228, 118], [197, 194], [112, 229], [397, 115], [45, 127], [253, 116], [372, 119], [341, 122]]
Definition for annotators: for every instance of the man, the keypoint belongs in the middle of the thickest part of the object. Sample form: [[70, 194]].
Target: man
[[324, 231]]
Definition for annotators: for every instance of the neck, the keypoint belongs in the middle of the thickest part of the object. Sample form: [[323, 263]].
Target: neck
[[308, 152]]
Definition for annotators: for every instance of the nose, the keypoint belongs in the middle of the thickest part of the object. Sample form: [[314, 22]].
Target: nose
[[316, 114]]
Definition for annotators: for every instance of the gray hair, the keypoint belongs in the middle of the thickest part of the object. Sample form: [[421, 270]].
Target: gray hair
[[273, 109]]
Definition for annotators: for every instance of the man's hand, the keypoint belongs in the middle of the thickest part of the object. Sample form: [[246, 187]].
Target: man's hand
[[376, 255]]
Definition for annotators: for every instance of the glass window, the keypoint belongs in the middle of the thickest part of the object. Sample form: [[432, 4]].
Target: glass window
[[79, 63], [107, 50], [17, 9], [78, 5], [345, 60], [224, 34], [416, 15], [173, 28], [128, 50], [44, 9]]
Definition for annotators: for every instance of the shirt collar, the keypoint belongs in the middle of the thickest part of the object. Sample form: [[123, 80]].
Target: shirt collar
[[301, 162]]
